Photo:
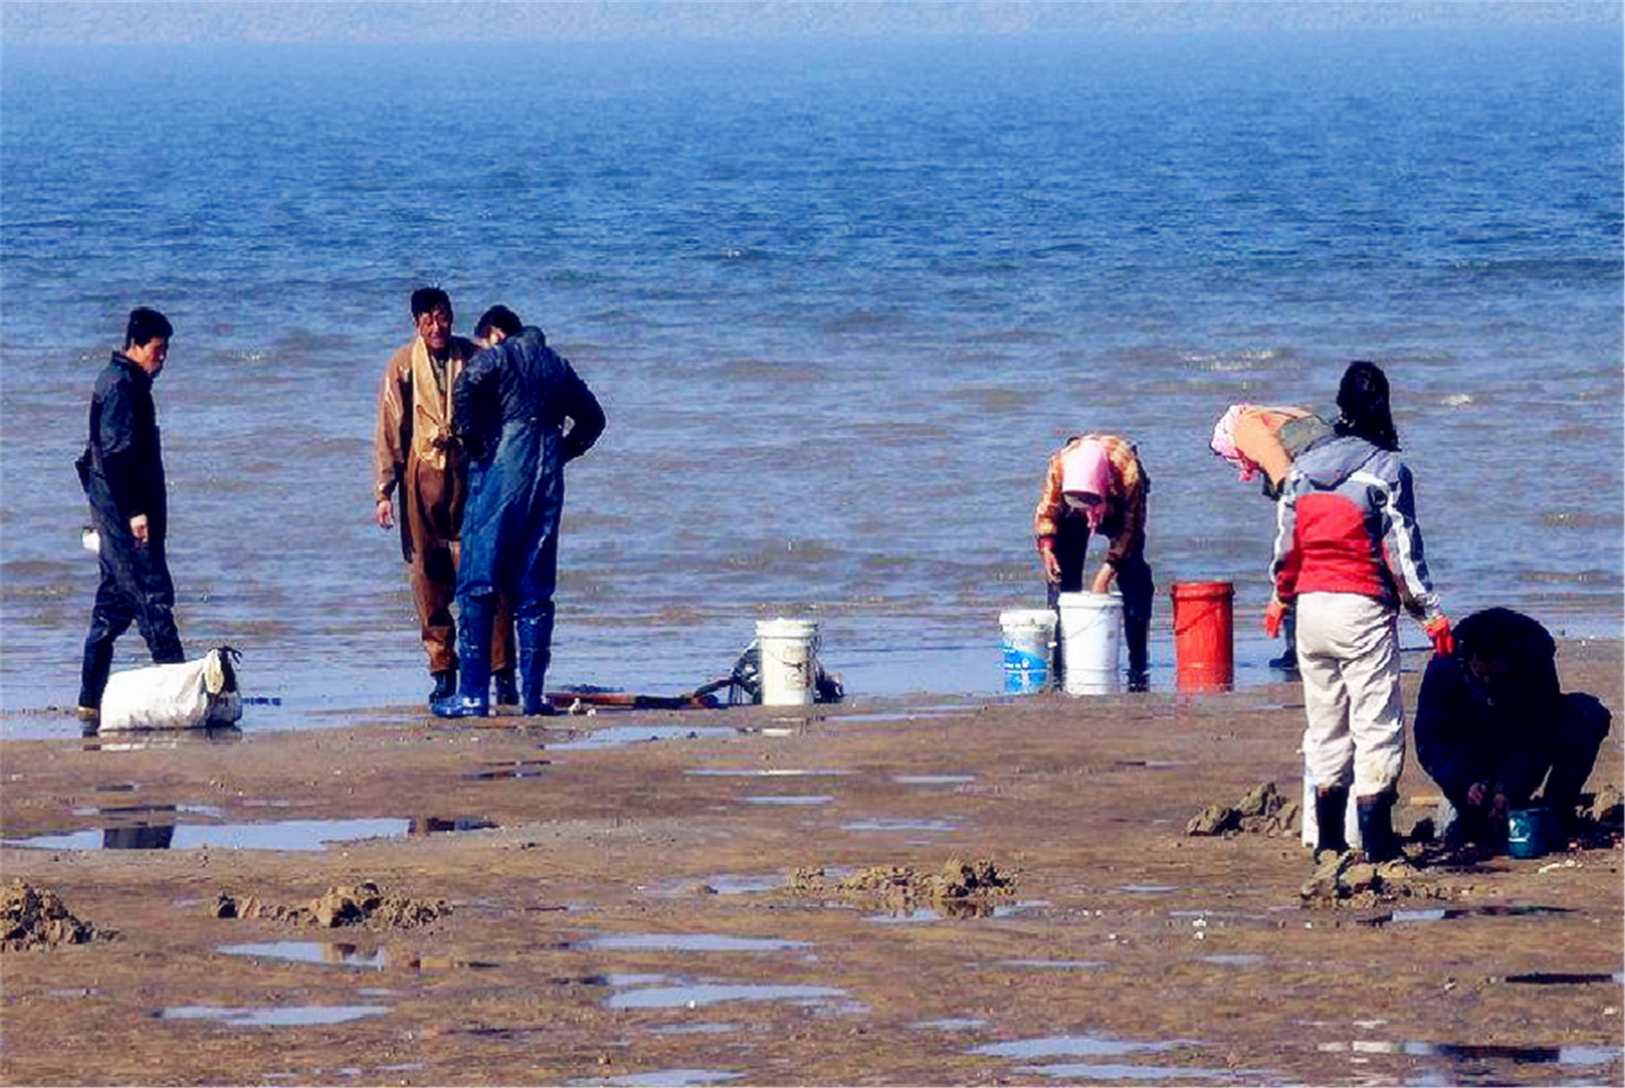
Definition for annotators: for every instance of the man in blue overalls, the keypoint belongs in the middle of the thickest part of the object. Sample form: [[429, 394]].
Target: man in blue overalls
[[510, 406]]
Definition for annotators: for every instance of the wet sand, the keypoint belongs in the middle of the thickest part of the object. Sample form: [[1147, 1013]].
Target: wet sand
[[589, 907]]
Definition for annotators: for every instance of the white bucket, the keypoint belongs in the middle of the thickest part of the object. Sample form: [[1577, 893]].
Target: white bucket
[[789, 661], [1029, 647], [1091, 632]]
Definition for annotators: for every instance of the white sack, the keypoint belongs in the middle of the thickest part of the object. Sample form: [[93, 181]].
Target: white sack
[[189, 695]]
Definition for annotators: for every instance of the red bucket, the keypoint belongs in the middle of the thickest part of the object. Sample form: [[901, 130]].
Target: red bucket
[[1204, 644]]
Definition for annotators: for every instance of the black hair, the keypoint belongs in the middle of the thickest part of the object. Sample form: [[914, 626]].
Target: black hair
[[146, 326], [1362, 400], [500, 318], [425, 299], [1501, 633]]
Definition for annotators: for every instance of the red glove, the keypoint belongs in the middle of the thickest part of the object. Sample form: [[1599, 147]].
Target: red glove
[[1274, 612], [1438, 630]]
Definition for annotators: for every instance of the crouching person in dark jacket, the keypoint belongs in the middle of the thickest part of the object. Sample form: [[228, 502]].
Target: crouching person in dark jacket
[[1492, 724], [122, 470], [510, 406]]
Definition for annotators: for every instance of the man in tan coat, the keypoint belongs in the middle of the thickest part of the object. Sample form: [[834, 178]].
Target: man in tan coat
[[419, 457]]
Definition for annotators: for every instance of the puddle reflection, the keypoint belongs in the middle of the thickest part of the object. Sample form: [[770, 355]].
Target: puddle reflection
[[1440, 914], [951, 1023], [908, 714], [333, 953], [157, 828], [153, 837], [291, 1016], [620, 736], [1523, 1055], [138, 814], [1564, 978], [1235, 959], [902, 825], [918, 914], [726, 884], [423, 826], [715, 993], [932, 779], [1162, 1074], [1076, 1046], [345, 954], [521, 768], [806, 800], [143, 739], [283, 835]]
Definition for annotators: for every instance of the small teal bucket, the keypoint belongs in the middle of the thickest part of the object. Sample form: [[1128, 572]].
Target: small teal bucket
[[1029, 645], [1526, 832]]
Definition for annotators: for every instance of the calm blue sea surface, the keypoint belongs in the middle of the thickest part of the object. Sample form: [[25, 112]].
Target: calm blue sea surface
[[839, 303]]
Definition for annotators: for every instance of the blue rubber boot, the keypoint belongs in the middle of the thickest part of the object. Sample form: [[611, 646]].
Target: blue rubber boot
[[535, 653], [473, 697]]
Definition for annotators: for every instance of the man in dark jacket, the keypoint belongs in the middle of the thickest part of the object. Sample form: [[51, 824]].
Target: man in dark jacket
[[1492, 724], [510, 406], [122, 470]]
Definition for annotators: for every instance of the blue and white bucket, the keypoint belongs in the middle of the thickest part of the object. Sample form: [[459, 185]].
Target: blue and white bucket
[[1526, 832], [1029, 646]]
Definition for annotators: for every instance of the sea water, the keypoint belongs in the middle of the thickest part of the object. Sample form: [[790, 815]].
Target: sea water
[[839, 304]]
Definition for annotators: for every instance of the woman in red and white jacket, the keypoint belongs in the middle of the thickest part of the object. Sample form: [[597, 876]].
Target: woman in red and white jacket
[[1347, 552]]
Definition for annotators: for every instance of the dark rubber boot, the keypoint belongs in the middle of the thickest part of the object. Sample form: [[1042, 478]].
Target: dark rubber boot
[[1137, 636], [1331, 810], [535, 654], [98, 664], [473, 697], [1288, 661], [1377, 837], [507, 691], [445, 685]]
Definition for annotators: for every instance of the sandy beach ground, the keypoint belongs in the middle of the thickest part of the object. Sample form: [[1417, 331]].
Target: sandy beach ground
[[756, 896]]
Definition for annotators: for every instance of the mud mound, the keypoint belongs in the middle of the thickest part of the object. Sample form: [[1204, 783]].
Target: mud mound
[[37, 920], [1262, 811], [363, 904], [958, 889], [1351, 881]]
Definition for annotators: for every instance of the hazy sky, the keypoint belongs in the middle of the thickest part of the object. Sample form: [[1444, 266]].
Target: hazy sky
[[105, 21]]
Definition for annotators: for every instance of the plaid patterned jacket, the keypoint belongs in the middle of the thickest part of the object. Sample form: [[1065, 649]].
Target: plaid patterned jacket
[[1125, 525]]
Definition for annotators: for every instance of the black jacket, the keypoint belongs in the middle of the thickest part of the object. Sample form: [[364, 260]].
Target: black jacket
[[1467, 731], [123, 465]]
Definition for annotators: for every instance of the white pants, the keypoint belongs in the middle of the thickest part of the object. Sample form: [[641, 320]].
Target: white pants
[[1348, 654]]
